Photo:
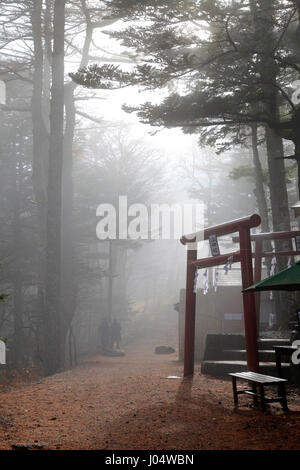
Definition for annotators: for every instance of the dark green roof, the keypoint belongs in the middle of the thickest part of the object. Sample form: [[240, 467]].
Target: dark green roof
[[287, 279]]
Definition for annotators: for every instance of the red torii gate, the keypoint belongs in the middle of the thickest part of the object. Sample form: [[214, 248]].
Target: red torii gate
[[244, 256], [259, 238]]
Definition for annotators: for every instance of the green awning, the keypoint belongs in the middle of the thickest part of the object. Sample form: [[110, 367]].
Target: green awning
[[287, 279]]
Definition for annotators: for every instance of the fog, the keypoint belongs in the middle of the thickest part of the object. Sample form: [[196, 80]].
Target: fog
[[59, 279]]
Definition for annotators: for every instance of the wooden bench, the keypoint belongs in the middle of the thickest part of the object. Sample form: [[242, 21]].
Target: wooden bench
[[260, 380]]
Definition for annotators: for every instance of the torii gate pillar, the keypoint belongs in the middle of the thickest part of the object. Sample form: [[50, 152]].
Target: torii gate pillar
[[190, 314], [249, 301]]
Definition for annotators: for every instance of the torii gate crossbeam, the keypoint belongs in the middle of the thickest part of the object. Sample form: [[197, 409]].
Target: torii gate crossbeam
[[259, 238], [244, 255]]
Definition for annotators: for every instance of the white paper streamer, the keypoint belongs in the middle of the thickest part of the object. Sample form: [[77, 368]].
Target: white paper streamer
[[228, 264], [216, 280], [273, 266], [205, 282], [272, 272], [289, 262], [195, 280]]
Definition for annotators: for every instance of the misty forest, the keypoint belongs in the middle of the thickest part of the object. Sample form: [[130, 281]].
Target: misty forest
[[121, 120]]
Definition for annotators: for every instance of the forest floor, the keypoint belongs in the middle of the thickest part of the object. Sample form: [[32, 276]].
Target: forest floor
[[129, 403]]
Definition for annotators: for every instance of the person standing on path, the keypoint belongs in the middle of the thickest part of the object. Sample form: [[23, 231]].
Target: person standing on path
[[116, 333], [105, 333]]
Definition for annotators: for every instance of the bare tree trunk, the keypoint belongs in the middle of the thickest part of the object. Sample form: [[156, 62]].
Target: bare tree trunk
[[259, 182], [68, 260], [263, 17], [297, 136], [40, 148], [53, 357], [40, 134], [278, 189], [68, 265], [280, 216], [260, 192], [18, 343]]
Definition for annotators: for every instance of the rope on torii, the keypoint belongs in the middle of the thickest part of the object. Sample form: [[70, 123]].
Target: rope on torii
[[226, 268]]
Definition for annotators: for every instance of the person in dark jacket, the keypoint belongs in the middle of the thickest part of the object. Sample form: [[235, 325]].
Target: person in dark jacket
[[116, 333], [105, 333]]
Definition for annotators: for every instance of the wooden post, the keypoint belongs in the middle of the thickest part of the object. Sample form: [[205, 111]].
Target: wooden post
[[248, 300], [190, 312], [257, 277]]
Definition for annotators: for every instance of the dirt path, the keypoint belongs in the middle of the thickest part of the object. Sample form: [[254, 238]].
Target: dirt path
[[128, 403]]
